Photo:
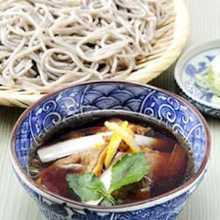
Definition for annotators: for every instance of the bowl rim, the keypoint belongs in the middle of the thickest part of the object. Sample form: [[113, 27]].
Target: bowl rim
[[118, 208], [188, 55]]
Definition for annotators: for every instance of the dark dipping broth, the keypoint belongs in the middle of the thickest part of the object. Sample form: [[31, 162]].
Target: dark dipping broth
[[144, 159]]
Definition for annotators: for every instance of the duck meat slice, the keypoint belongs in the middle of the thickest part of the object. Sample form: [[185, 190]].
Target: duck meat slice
[[167, 169], [53, 179]]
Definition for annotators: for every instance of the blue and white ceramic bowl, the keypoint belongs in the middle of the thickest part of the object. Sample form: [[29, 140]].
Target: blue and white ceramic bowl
[[59, 107], [193, 63]]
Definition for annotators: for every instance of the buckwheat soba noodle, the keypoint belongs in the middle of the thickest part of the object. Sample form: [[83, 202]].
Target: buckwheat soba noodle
[[47, 43]]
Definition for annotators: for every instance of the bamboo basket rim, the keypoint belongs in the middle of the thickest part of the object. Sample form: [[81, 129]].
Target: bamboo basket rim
[[149, 71]]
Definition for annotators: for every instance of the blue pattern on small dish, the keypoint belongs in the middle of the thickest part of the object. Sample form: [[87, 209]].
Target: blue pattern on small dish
[[60, 107], [196, 62], [198, 65]]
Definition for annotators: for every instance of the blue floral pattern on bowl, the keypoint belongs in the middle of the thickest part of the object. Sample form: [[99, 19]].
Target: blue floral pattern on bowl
[[62, 106]]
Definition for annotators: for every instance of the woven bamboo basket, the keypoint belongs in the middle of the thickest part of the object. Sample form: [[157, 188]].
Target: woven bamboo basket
[[167, 50]]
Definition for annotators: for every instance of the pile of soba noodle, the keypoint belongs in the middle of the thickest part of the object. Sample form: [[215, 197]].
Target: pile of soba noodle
[[48, 43]]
